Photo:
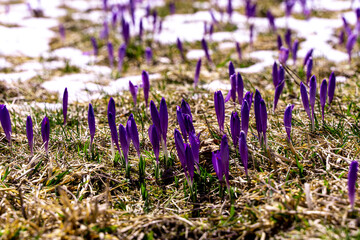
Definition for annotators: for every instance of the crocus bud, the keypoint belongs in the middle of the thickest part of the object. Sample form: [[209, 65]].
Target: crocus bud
[[95, 46], [5, 122], [62, 32], [134, 134], [111, 54], [133, 90], [91, 123], [249, 98], [350, 44], [251, 37], [113, 131], [235, 128], [352, 177], [125, 31], [163, 114], [104, 34], [179, 144], [281, 75], [312, 95], [239, 88], [45, 133], [231, 69], [309, 66], [229, 8], [197, 72], [305, 99], [289, 4], [245, 111], [146, 86], [307, 56], [155, 141], [279, 41], [271, 20], [219, 109], [188, 124], [295, 50], [206, 50], [288, 39], [232, 92], [238, 50], [323, 96], [341, 37], [283, 55], [278, 91], [185, 108], [217, 164], [189, 163], [332, 85], [243, 150], [121, 53], [263, 119], [180, 47], [148, 55], [224, 153], [124, 142], [141, 29], [275, 72], [30, 133], [287, 120], [257, 110], [65, 104], [195, 147], [155, 117], [181, 122]]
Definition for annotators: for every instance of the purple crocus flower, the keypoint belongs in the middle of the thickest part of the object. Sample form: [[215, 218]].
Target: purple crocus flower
[[219, 109], [206, 50], [211, 30], [190, 162], [283, 55], [113, 131], [332, 85], [238, 50], [188, 124], [155, 117], [275, 74], [45, 133], [346, 26], [30, 133], [229, 8], [309, 66], [224, 154], [245, 115], [62, 32], [125, 31], [350, 44], [235, 128], [95, 46], [155, 141], [264, 117], [5, 122], [239, 87], [121, 53], [232, 92], [180, 148], [197, 72], [341, 37], [278, 91], [195, 147], [289, 4], [65, 104], [250, 9], [163, 114], [257, 110], [231, 69], [323, 96], [134, 134], [148, 55], [181, 121], [305, 99], [141, 29], [251, 34], [271, 19], [288, 39], [104, 34], [124, 142], [307, 56], [279, 41], [111, 54], [287, 120], [352, 177], [249, 98], [295, 50], [91, 123], [146, 86], [133, 90], [114, 15], [185, 108], [181, 49], [312, 96], [243, 150], [217, 164]]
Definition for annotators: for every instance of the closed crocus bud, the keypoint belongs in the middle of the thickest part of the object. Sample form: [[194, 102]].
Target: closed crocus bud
[[332, 85], [275, 76], [251, 37], [124, 142], [195, 147], [350, 44], [5, 122], [155, 141], [91, 123], [45, 133], [323, 95], [134, 134], [219, 109], [30, 133], [281, 74], [121, 53], [232, 92], [197, 73], [65, 104], [146, 86], [295, 50], [189, 163], [309, 66], [125, 31], [243, 150], [283, 55], [148, 55], [289, 4], [224, 153], [188, 124], [163, 113], [217, 164], [185, 108], [155, 117], [229, 8], [231, 69], [307, 56], [341, 37], [288, 39], [133, 90], [179, 144], [180, 48], [278, 91], [181, 122], [240, 87], [113, 131], [105, 31], [257, 110], [249, 98], [206, 50], [263, 119], [279, 41], [111, 54], [352, 177], [271, 20], [238, 50], [305, 99], [312, 95], [141, 29], [245, 112], [95, 46], [235, 128], [287, 120]]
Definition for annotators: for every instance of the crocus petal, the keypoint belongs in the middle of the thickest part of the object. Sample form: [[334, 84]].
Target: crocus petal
[[271, 20], [179, 144], [185, 108], [121, 54], [305, 99], [45, 132], [30, 133], [278, 92], [323, 96], [279, 42], [235, 128], [312, 94], [113, 131], [124, 142], [155, 117], [188, 124], [238, 50], [240, 87], [287, 120], [134, 134], [263, 118], [206, 50], [181, 122], [189, 162], [148, 55], [217, 164], [295, 50], [146, 86], [197, 73], [245, 111], [224, 153], [155, 141], [257, 109], [233, 87], [332, 85], [283, 55], [309, 66], [231, 69], [111, 54], [95, 46], [219, 109], [352, 177], [243, 150], [350, 44], [5, 121], [180, 47], [249, 98], [91, 123], [307, 56], [195, 147], [275, 72], [65, 104], [288, 39], [133, 90], [163, 113]]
